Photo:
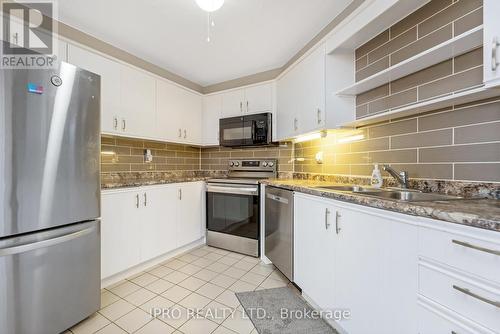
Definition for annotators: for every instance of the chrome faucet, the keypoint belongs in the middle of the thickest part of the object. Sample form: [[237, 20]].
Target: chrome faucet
[[401, 177]]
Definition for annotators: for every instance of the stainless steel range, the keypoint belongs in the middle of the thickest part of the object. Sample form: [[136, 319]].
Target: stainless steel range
[[233, 206]]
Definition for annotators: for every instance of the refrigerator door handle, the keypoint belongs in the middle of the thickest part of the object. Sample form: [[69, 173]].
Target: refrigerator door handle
[[44, 243]]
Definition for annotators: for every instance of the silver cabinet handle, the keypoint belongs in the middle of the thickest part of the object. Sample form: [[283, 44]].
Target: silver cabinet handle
[[295, 124], [319, 116], [145, 199], [494, 47], [185, 133], [137, 201], [44, 243], [476, 296], [337, 218], [180, 133], [327, 224], [241, 106], [115, 123], [180, 194], [479, 248], [124, 124], [247, 106]]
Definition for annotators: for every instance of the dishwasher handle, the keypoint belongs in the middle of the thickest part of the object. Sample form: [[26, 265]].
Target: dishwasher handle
[[277, 198]]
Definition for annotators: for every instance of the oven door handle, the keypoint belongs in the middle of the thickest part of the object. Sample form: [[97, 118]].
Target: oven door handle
[[252, 191]]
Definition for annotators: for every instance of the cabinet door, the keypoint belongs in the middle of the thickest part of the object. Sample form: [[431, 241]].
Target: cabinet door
[[376, 272], [314, 249], [120, 248], [159, 221], [169, 111], [286, 106], [311, 76], [191, 117], [212, 105], [137, 94], [259, 99], [232, 103], [189, 225], [110, 84], [491, 52]]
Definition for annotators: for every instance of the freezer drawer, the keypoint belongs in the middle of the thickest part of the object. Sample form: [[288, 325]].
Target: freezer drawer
[[279, 229], [49, 280]]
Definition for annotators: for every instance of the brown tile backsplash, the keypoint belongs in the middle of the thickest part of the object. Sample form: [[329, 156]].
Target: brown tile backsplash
[[457, 143], [119, 154], [216, 158]]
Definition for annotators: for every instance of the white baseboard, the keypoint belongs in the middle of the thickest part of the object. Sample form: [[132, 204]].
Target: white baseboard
[[105, 282]]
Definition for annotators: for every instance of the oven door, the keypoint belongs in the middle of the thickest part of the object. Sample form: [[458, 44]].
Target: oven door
[[233, 209]]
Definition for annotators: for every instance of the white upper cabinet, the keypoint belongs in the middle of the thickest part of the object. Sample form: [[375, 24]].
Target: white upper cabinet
[[491, 51], [168, 106], [250, 100], [212, 107], [258, 99], [232, 103], [110, 85], [301, 97], [137, 95], [178, 113]]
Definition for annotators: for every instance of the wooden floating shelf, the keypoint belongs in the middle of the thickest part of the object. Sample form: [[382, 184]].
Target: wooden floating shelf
[[471, 95], [454, 47]]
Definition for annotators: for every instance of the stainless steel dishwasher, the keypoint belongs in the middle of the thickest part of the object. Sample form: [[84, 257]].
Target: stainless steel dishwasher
[[279, 229]]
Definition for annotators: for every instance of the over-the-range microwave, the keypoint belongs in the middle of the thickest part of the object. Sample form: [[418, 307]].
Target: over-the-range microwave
[[250, 130]]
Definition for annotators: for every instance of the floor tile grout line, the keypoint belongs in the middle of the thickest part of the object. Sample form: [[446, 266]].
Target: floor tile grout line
[[239, 258]]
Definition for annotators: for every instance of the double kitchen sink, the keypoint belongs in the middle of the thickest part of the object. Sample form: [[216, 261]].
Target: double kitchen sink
[[397, 194]]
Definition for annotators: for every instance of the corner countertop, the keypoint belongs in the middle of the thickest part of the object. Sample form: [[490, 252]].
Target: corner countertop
[[480, 213]]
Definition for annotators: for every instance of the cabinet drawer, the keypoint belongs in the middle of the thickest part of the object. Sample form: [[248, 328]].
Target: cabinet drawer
[[473, 255], [461, 295], [437, 322]]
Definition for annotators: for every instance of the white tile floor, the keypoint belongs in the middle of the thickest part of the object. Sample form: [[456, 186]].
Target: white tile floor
[[204, 279]]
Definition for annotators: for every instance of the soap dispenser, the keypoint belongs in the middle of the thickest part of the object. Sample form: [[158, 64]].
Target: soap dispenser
[[376, 177]]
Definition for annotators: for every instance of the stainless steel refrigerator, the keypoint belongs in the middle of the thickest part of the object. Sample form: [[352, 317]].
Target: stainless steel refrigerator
[[49, 199]]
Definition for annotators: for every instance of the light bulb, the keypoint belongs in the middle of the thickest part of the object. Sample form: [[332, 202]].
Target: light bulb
[[210, 5]]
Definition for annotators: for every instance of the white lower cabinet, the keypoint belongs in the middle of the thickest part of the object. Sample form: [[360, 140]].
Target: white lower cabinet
[[396, 273], [315, 243], [348, 259], [119, 231], [140, 224], [190, 213]]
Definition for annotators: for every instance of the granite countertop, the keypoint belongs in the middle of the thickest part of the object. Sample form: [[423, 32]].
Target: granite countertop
[[141, 179], [142, 183], [481, 213]]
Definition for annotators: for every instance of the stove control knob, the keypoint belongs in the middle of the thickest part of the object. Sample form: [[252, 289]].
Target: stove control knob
[[231, 163], [264, 164], [236, 163], [270, 164]]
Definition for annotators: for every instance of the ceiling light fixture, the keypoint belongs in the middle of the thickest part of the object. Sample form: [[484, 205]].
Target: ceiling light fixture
[[210, 6]]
